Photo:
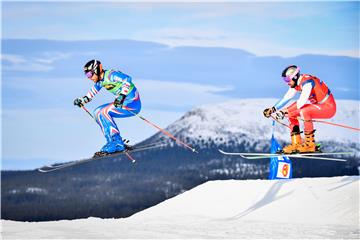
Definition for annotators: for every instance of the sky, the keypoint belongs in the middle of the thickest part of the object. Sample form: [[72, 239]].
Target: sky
[[270, 28], [282, 29]]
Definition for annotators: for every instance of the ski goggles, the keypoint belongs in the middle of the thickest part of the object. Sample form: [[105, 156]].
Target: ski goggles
[[89, 74], [287, 79]]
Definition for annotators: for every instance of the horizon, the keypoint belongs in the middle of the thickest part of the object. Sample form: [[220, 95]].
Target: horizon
[[356, 56]]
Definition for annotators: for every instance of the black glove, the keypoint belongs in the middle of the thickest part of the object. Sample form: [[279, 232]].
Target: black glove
[[119, 101], [280, 115], [268, 111], [80, 102]]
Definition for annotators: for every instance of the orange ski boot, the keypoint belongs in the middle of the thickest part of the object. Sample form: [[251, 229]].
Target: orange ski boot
[[295, 143], [309, 146]]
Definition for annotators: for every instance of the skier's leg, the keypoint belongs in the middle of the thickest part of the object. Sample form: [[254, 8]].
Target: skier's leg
[[325, 110], [294, 130], [109, 128], [132, 103], [104, 116], [320, 111], [293, 115]]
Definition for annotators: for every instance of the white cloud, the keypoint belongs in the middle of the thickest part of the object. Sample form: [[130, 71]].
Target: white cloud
[[260, 44], [13, 58], [20, 63], [40, 63], [179, 95], [50, 57]]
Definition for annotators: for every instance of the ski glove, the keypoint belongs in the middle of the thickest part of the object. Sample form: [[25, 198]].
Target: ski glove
[[80, 102], [268, 111], [119, 101], [280, 115]]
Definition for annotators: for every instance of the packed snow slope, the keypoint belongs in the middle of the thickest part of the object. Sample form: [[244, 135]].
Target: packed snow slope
[[299, 208]]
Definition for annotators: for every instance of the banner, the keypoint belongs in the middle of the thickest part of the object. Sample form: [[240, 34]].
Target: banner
[[280, 166]]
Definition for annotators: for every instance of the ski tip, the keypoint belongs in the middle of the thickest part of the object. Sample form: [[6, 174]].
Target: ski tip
[[220, 150], [43, 169], [194, 150]]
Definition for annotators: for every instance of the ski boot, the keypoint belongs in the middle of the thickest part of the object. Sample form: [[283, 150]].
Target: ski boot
[[295, 143], [309, 146], [114, 144], [128, 147]]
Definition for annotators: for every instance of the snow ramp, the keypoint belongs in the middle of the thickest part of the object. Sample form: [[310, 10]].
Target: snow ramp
[[263, 209]]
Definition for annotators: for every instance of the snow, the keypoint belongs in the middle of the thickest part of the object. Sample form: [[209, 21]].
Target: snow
[[245, 117], [299, 208]]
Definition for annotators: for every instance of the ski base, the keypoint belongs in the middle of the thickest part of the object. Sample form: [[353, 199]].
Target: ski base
[[314, 155]]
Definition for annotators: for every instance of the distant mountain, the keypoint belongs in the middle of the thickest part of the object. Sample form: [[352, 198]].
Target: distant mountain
[[116, 188]]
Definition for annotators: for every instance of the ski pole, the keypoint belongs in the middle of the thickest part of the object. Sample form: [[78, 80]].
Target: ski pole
[[329, 123], [162, 130], [274, 119], [88, 112], [334, 124], [319, 121]]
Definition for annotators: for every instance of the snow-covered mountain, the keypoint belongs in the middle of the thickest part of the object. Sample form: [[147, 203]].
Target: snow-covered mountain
[[307, 208], [241, 122]]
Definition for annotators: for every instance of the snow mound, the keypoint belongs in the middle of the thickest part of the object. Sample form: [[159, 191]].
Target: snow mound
[[298, 208]]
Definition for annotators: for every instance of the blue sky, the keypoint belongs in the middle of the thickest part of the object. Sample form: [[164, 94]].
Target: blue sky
[[38, 124], [271, 28]]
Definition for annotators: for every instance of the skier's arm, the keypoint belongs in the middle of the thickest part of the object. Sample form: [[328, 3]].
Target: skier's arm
[[287, 97], [93, 91], [305, 94], [81, 101]]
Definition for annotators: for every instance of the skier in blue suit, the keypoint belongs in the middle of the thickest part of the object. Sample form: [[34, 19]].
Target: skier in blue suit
[[127, 98]]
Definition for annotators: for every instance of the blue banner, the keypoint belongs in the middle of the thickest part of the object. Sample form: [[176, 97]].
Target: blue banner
[[280, 166]]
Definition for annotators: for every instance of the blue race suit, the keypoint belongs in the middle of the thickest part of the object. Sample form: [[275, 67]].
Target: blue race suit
[[117, 83]]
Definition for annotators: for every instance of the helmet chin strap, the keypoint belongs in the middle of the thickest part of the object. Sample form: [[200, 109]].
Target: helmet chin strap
[[298, 80]]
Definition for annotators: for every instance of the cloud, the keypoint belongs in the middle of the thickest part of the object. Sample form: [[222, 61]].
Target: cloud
[[13, 58], [12, 62], [50, 57], [258, 43], [260, 10], [42, 62], [179, 96]]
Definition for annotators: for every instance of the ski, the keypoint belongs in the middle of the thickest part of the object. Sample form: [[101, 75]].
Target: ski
[[316, 155], [54, 167], [297, 156]]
